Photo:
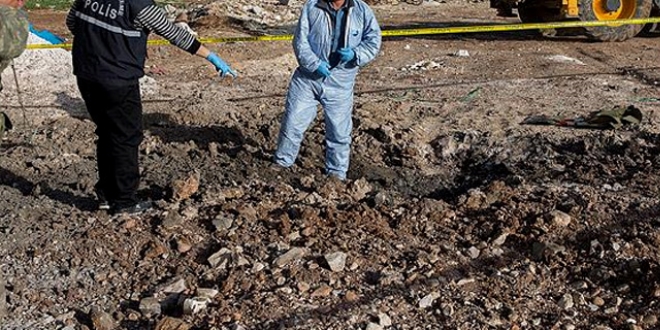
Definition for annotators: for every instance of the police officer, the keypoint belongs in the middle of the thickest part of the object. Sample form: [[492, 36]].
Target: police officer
[[109, 51]]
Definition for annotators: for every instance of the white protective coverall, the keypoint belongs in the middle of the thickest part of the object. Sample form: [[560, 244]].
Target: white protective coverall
[[314, 43]]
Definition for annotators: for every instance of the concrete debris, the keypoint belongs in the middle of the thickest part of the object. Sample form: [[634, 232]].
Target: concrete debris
[[565, 59], [336, 261], [101, 320], [424, 66], [428, 300], [170, 323], [150, 307], [294, 254], [194, 305], [177, 286], [220, 259]]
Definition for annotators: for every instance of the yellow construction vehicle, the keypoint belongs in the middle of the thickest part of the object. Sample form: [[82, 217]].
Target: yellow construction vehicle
[[538, 11]]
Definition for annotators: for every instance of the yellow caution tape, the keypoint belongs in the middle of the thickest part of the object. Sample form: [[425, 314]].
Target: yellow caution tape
[[416, 32]]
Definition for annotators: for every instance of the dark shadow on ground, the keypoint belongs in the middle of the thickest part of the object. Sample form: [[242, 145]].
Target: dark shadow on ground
[[228, 140], [74, 106], [29, 188]]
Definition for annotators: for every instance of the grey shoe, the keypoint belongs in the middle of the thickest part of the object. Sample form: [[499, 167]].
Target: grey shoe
[[137, 208], [104, 204]]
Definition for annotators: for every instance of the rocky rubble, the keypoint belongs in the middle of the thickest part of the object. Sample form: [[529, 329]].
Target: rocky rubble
[[453, 216]]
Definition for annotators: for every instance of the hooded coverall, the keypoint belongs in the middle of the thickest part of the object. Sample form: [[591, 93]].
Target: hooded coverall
[[321, 31]]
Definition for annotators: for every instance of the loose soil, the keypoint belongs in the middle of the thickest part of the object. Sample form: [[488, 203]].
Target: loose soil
[[449, 201]]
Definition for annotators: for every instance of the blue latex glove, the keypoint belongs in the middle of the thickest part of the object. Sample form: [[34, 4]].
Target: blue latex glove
[[324, 70], [346, 54], [220, 65]]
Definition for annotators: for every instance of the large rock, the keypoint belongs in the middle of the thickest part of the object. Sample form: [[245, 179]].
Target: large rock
[[170, 323], [336, 261], [101, 320], [183, 189], [294, 254], [150, 307]]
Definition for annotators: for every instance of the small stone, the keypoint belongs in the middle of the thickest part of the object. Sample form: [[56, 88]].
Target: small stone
[[207, 293], [101, 320], [172, 220], [133, 316], [465, 281], [428, 300], [359, 189], [170, 323], [323, 291], [500, 240], [154, 249], [150, 307], [447, 310], [598, 301], [303, 287], [194, 305], [236, 326], [184, 189], [579, 285], [351, 296], [650, 319], [257, 267], [374, 326], [462, 53], [183, 245], [559, 218], [566, 302], [177, 286], [569, 327], [473, 252], [222, 222], [294, 254], [220, 258], [384, 320], [336, 261], [130, 224]]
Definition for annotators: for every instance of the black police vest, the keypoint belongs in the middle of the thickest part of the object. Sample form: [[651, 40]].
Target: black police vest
[[107, 48]]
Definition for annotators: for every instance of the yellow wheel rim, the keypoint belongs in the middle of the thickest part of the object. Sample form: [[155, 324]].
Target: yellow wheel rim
[[608, 10]]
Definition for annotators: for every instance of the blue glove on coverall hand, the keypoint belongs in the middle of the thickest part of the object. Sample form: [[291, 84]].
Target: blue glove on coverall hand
[[324, 70], [346, 54], [220, 65]]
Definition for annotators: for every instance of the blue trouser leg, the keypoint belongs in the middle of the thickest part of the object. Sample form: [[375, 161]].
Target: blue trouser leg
[[300, 111], [337, 101]]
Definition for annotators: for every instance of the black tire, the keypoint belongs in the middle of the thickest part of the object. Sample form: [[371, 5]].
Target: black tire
[[615, 33], [532, 13]]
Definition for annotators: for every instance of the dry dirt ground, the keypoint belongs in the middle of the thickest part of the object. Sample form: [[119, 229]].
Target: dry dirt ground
[[454, 216]]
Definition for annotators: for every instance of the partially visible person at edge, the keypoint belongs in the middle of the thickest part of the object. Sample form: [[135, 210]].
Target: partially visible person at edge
[[14, 31], [333, 39], [109, 51]]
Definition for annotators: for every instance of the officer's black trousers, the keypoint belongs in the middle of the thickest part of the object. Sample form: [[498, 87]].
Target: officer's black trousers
[[117, 113]]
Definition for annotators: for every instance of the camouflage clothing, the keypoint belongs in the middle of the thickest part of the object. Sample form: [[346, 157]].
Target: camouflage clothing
[[14, 31]]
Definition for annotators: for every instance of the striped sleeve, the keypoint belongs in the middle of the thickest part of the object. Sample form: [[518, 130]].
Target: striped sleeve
[[71, 18], [154, 19]]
